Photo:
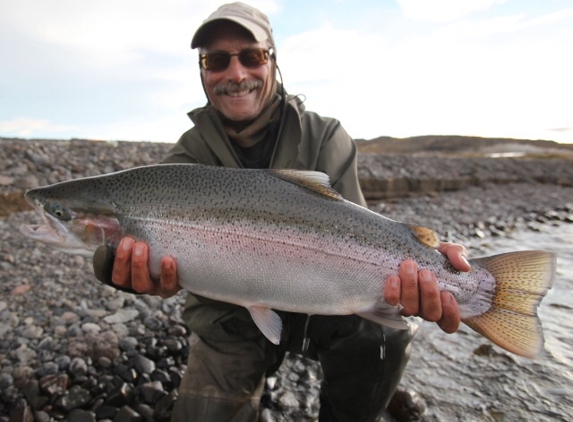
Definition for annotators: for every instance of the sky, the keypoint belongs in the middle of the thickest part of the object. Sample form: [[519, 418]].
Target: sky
[[124, 69]]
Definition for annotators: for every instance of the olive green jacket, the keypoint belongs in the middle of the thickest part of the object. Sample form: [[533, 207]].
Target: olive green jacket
[[307, 142]]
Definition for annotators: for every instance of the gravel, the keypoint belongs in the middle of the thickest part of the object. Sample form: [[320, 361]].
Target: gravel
[[74, 349]]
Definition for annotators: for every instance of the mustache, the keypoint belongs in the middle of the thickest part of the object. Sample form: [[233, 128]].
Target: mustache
[[229, 88]]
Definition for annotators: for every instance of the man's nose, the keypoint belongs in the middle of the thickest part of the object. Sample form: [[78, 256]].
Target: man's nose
[[236, 72]]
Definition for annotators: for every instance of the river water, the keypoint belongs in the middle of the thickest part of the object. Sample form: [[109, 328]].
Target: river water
[[462, 377]]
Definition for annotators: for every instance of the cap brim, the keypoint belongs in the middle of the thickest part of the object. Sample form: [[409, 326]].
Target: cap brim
[[256, 31]]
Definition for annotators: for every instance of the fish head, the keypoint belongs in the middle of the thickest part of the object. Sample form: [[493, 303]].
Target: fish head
[[74, 224]]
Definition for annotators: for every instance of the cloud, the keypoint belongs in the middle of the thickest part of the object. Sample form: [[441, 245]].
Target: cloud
[[110, 33], [123, 69], [27, 127], [443, 10], [451, 78]]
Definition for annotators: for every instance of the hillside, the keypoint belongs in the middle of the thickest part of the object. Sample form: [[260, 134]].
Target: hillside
[[453, 145]]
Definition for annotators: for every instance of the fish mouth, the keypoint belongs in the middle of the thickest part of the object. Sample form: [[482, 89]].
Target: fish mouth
[[50, 231], [45, 233]]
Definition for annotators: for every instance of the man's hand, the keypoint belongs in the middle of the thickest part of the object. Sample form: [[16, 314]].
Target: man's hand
[[419, 294], [130, 270]]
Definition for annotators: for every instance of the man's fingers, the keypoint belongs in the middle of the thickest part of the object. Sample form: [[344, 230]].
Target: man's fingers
[[410, 294], [392, 289], [121, 273], [450, 320], [169, 284], [431, 305], [456, 254], [141, 281]]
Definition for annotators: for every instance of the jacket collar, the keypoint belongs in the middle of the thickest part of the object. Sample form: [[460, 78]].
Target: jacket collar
[[207, 121]]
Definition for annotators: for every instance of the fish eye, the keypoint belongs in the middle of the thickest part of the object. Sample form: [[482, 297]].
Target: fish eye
[[59, 211]]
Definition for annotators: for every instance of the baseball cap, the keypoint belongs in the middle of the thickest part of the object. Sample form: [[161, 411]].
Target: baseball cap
[[253, 20]]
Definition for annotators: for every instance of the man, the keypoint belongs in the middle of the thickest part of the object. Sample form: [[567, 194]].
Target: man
[[251, 122]]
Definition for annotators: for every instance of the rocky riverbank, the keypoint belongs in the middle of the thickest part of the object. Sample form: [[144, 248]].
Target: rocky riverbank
[[73, 349]]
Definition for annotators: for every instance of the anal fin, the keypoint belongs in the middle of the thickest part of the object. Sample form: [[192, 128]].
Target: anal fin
[[268, 322]]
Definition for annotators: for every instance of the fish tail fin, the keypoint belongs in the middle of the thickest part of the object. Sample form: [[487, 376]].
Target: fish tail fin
[[522, 280]]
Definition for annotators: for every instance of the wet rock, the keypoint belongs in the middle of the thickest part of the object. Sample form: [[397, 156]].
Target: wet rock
[[267, 416], [128, 344], [6, 180], [54, 385], [173, 345], [63, 362], [161, 376], [41, 416], [106, 412], [164, 406], [143, 365], [6, 380], [74, 398], [152, 391], [91, 328], [20, 290], [127, 414], [153, 323], [122, 316], [288, 399], [22, 414], [115, 303], [79, 415], [485, 350], [48, 368], [27, 182], [23, 354], [78, 367], [69, 317], [22, 374], [32, 394], [406, 406], [271, 383], [145, 411], [126, 372], [104, 362], [104, 344], [120, 396]]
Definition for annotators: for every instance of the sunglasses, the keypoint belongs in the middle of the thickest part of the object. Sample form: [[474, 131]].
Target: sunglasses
[[250, 58]]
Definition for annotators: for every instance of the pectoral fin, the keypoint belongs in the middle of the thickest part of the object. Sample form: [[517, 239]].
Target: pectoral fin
[[384, 314], [268, 322]]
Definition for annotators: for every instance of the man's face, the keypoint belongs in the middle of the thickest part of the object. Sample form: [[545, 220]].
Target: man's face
[[238, 93]]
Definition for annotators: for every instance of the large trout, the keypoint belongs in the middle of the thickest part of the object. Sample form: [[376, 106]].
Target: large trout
[[283, 239]]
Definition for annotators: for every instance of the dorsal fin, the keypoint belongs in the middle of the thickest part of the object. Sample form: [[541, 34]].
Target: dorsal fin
[[316, 181], [425, 235]]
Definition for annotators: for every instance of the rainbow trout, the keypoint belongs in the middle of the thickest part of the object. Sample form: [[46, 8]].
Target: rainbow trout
[[285, 240]]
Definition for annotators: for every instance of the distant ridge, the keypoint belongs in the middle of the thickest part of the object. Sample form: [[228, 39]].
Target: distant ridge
[[442, 145], [454, 145]]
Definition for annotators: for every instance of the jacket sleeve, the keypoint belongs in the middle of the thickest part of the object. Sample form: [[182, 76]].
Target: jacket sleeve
[[338, 159], [179, 153]]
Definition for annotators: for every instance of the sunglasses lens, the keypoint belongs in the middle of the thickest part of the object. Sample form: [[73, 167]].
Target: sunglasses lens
[[253, 58], [250, 58], [216, 62]]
